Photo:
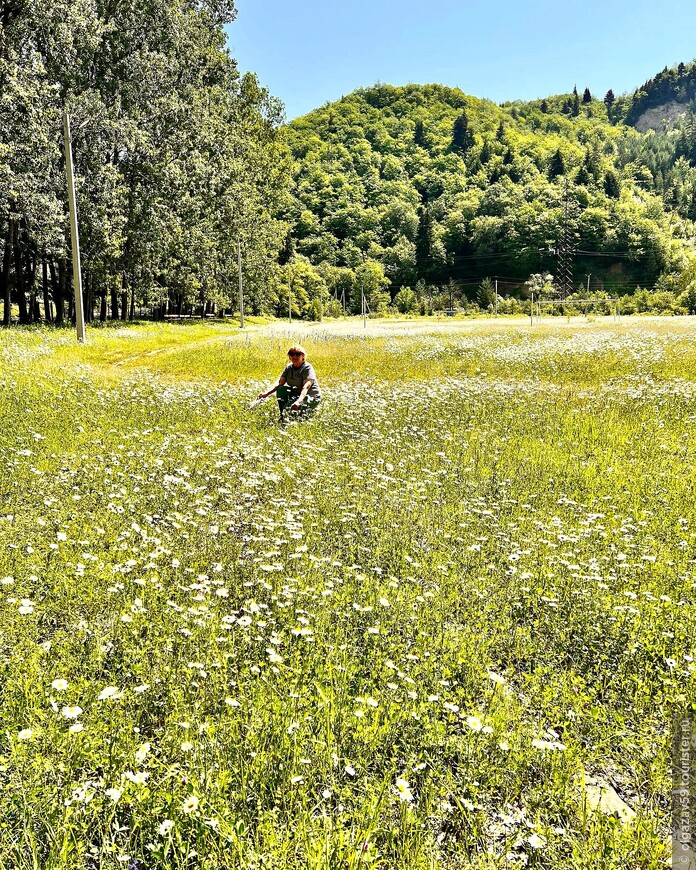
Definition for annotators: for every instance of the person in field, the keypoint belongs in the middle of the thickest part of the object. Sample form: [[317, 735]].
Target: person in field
[[297, 389]]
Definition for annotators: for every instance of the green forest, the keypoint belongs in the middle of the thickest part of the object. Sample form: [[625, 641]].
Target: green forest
[[419, 197]]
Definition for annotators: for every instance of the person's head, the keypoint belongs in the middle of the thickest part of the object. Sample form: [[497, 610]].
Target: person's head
[[296, 354]]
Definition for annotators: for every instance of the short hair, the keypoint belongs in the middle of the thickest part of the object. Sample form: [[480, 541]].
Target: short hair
[[297, 348]]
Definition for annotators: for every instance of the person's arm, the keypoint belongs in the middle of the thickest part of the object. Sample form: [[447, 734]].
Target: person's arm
[[303, 395], [281, 381]]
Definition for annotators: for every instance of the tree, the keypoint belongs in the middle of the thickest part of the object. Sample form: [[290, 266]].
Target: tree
[[424, 243], [419, 134], [609, 100], [612, 185], [582, 176], [586, 96], [405, 300], [688, 298], [301, 287], [287, 252], [556, 165], [371, 279], [486, 294], [541, 285], [544, 107], [462, 137]]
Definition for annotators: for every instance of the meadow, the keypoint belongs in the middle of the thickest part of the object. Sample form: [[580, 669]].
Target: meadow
[[403, 634]]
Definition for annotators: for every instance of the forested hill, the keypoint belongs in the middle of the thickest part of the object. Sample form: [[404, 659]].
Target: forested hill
[[667, 95], [432, 186]]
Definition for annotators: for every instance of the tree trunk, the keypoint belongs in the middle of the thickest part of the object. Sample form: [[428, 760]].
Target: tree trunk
[[19, 280], [59, 289], [124, 305], [5, 275], [102, 308], [46, 300], [58, 293], [132, 302], [34, 310], [89, 296], [71, 294], [114, 303]]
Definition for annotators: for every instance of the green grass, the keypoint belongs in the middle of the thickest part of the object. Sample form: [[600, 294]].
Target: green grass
[[486, 538]]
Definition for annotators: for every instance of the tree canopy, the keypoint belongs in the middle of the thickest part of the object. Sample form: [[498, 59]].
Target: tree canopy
[[176, 155]]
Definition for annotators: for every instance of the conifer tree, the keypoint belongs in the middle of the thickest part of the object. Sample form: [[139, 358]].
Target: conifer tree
[[583, 176], [462, 137], [557, 165], [612, 185], [586, 96], [609, 99], [544, 107], [287, 252], [419, 134]]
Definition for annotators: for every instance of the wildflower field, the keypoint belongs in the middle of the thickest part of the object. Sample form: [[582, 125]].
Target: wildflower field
[[404, 634]]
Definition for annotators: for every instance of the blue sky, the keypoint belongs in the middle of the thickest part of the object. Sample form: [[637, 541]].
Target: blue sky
[[308, 53]]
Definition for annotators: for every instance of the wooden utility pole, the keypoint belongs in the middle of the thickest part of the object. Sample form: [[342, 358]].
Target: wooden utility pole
[[241, 288], [74, 237]]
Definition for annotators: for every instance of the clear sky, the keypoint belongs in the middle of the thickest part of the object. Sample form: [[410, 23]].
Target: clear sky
[[308, 52]]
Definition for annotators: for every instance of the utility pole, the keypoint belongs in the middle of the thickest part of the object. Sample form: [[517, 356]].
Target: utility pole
[[241, 288], [74, 237], [588, 283]]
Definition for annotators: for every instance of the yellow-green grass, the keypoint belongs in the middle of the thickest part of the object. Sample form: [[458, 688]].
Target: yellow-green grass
[[472, 571]]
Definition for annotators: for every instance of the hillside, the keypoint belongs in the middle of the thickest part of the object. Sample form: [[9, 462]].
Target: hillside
[[666, 96], [433, 187]]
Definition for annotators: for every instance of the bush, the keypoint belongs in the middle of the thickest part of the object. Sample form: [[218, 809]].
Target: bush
[[333, 308], [315, 310], [688, 298], [405, 300]]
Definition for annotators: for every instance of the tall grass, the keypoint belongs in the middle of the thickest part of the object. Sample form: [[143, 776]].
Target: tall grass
[[401, 634]]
